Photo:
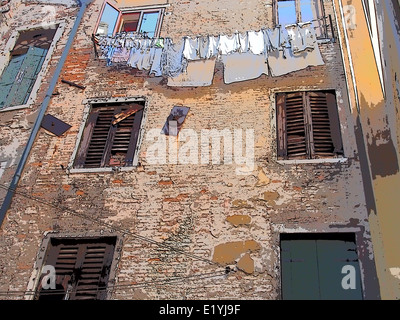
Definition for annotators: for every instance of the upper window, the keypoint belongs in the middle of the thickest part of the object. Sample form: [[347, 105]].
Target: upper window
[[82, 268], [320, 267], [110, 136], [296, 11], [26, 60], [308, 125], [146, 21]]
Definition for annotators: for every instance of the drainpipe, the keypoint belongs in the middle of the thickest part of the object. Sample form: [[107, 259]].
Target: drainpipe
[[11, 191]]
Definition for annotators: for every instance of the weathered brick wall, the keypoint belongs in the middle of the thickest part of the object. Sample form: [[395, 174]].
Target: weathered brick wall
[[197, 208]]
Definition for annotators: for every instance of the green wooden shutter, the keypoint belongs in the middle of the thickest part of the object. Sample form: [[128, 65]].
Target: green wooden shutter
[[8, 78], [26, 77], [333, 255], [299, 270], [312, 269]]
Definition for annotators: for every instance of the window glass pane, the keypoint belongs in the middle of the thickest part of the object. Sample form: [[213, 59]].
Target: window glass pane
[[130, 22], [287, 12], [108, 21], [149, 23], [311, 10]]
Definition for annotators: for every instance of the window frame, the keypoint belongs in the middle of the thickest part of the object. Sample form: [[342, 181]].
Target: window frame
[[279, 122], [141, 10], [36, 276], [87, 111], [342, 235], [5, 59], [323, 36]]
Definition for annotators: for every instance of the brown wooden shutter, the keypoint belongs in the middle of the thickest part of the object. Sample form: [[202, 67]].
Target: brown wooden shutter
[[125, 137], [82, 268], [335, 123], [99, 138], [296, 126], [281, 125], [320, 135]]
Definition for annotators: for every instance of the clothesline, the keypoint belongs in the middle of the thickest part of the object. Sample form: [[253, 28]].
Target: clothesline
[[265, 49]]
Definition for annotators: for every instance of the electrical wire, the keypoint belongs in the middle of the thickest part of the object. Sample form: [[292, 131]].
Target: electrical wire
[[119, 286], [108, 225]]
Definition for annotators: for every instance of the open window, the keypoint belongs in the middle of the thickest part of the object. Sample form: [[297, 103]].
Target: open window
[[297, 11], [308, 125], [82, 268], [110, 136], [26, 61], [143, 21]]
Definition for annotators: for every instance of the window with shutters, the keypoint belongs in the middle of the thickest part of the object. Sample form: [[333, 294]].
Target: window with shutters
[[26, 60], [297, 11], [308, 125], [82, 268], [312, 267], [141, 21], [110, 136]]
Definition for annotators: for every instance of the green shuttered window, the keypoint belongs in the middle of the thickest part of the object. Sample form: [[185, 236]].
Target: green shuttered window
[[312, 268]]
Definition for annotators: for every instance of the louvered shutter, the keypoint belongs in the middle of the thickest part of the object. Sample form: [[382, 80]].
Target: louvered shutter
[[126, 133], [82, 268], [281, 125], [8, 78], [104, 144], [100, 138], [320, 134], [296, 137], [26, 77]]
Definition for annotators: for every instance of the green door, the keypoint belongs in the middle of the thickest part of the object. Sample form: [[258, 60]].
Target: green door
[[312, 270], [18, 78]]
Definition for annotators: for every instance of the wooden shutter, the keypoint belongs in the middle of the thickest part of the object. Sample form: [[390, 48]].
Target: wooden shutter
[[296, 137], [26, 77], [312, 269], [333, 255], [299, 270], [126, 133], [104, 144], [281, 125], [325, 126], [8, 78], [82, 268]]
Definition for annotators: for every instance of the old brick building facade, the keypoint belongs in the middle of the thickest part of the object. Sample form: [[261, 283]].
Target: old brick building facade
[[170, 230]]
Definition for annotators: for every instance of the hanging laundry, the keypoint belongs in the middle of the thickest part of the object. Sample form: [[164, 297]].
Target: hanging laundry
[[203, 47], [120, 55], [172, 59], [228, 44], [243, 66], [147, 59], [199, 73], [213, 43], [156, 65], [274, 38], [301, 36], [191, 49], [256, 42], [243, 42], [285, 61]]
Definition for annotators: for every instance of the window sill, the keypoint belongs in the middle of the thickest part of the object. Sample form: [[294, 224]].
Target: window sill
[[22, 106], [324, 41], [101, 170], [313, 161]]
